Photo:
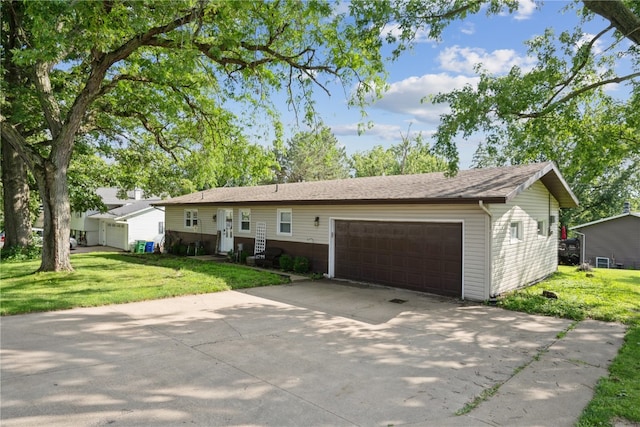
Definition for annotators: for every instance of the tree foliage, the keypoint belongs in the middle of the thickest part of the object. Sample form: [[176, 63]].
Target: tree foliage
[[559, 110], [312, 156], [410, 156], [132, 72]]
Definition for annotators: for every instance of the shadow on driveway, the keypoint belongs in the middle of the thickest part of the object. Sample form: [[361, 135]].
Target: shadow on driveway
[[308, 354]]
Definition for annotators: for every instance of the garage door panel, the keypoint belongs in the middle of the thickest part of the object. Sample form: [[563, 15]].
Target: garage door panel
[[420, 256], [115, 235]]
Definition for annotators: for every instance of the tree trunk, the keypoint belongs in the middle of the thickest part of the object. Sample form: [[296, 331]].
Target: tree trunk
[[54, 191], [17, 220]]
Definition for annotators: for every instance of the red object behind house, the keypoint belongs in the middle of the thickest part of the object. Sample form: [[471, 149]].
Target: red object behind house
[[563, 233]]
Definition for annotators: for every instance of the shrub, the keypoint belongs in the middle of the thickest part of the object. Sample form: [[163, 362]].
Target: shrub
[[301, 264], [21, 253], [286, 262]]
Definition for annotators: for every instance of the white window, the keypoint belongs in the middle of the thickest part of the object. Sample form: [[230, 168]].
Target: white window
[[542, 228], [190, 218], [515, 232], [602, 262], [160, 227], [245, 220], [285, 222]]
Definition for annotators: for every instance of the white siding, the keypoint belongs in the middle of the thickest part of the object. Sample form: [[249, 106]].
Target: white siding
[[474, 219], [90, 226], [144, 226], [516, 264]]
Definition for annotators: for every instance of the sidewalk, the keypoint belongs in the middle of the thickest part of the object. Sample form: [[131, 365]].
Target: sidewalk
[[555, 387]]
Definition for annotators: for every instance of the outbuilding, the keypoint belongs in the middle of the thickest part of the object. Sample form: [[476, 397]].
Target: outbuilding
[[471, 236], [612, 242]]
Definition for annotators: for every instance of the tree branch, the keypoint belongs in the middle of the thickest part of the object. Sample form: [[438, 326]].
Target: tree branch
[[577, 93], [453, 13], [9, 133], [563, 85], [99, 67], [620, 16]]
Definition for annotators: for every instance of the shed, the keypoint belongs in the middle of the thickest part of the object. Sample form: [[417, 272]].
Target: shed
[[612, 242]]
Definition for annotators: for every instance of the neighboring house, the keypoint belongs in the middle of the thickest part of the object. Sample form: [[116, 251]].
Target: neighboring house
[[612, 242], [473, 236], [125, 221]]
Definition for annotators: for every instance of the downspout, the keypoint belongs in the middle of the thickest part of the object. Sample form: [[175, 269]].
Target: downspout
[[484, 208], [583, 245], [488, 263]]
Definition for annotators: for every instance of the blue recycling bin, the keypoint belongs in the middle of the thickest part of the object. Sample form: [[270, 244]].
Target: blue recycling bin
[[148, 247]]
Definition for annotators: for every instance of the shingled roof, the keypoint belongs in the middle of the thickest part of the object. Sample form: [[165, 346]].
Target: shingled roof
[[490, 185]]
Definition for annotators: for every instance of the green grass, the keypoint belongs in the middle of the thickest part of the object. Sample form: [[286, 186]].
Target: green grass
[[608, 295], [102, 278]]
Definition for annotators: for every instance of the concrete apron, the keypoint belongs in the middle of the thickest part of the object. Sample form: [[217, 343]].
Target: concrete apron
[[307, 354]]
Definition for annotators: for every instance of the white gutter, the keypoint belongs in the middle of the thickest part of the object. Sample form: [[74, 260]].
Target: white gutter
[[484, 208]]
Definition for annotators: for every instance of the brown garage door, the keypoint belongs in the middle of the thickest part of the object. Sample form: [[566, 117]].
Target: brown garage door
[[415, 255]]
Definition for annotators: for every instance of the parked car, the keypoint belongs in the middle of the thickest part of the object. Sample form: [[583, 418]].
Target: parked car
[[37, 238], [569, 251]]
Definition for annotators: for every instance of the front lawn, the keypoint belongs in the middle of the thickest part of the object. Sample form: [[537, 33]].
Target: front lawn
[[102, 278], [609, 295]]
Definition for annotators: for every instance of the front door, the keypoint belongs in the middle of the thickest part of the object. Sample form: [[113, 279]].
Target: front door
[[226, 230]]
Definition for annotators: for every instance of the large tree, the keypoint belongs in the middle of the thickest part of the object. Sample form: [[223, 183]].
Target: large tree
[[135, 70], [312, 156], [115, 69], [411, 155], [559, 110], [17, 221]]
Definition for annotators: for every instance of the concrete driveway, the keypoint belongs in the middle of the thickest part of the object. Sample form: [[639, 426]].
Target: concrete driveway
[[306, 354]]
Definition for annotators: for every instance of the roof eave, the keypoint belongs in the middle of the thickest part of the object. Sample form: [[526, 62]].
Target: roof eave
[[404, 201], [599, 221], [551, 178]]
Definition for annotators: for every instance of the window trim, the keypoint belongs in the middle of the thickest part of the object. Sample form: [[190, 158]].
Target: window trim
[[241, 222], [543, 229], [518, 228], [192, 221], [279, 231]]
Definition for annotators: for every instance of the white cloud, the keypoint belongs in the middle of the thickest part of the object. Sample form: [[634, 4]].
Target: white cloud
[[379, 133], [526, 8], [405, 96], [421, 35], [463, 60], [468, 28], [345, 130]]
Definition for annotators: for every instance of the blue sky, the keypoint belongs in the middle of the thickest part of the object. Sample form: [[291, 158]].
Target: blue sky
[[497, 42]]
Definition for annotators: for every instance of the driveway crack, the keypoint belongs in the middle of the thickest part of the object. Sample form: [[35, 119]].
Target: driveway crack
[[487, 393]]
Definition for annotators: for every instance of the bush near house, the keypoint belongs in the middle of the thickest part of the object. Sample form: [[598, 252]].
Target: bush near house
[[286, 262], [301, 264]]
